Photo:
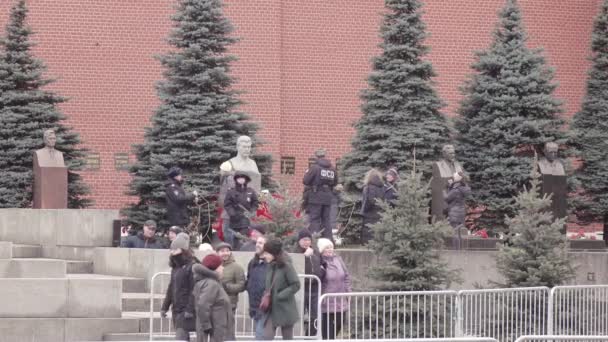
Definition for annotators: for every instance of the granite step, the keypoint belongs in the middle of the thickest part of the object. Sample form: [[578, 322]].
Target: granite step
[[129, 284], [78, 266], [140, 302], [26, 251]]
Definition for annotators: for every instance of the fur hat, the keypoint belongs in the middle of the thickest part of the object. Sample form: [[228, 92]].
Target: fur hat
[[174, 172], [393, 171], [304, 233], [205, 247], [258, 227], [240, 174], [182, 240], [323, 244], [320, 153], [212, 261], [274, 247], [176, 229], [223, 245]]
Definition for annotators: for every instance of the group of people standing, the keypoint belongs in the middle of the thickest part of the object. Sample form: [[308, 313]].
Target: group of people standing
[[203, 295]]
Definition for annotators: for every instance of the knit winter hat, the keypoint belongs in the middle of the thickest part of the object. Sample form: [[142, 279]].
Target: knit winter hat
[[323, 244], [274, 247], [393, 172], [304, 233], [175, 229], [222, 245], [182, 240], [212, 261]]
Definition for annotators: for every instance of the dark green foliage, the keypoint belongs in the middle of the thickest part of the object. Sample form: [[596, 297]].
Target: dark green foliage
[[408, 245], [286, 221], [590, 130], [537, 254], [508, 113], [401, 107], [26, 111], [408, 248], [197, 123]]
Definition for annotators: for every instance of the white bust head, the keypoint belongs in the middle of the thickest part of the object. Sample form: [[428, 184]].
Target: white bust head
[[243, 146], [449, 153], [49, 138]]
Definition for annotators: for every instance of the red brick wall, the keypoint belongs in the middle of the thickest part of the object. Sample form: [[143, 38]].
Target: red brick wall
[[302, 65]]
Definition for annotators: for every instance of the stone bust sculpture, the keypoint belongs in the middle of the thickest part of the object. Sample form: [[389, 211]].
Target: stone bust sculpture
[[48, 156], [242, 162], [550, 164], [448, 165]]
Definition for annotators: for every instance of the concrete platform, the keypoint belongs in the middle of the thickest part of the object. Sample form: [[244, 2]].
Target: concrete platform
[[79, 267], [63, 329], [32, 268], [58, 227], [60, 298], [6, 250]]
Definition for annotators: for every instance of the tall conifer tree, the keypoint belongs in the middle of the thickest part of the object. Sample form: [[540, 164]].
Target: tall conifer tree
[[590, 130], [401, 109], [197, 123], [27, 109], [508, 112]]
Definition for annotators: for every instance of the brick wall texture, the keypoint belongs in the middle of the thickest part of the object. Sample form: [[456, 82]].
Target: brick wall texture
[[303, 64]]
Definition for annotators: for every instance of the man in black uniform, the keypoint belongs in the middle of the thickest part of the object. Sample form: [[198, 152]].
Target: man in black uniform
[[177, 199], [241, 203], [321, 178]]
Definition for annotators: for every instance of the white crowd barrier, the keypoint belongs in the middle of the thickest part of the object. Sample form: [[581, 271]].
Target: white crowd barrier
[[158, 287], [162, 328], [579, 310], [561, 338], [388, 315], [503, 315]]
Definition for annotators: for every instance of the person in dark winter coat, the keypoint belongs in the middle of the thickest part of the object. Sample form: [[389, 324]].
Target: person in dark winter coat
[[240, 203], [336, 279], [373, 191], [177, 199], [283, 283], [312, 266], [390, 186], [179, 292], [455, 197], [214, 318], [256, 284], [146, 238], [320, 181]]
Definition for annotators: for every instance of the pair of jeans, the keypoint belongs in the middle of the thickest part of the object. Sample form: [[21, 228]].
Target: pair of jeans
[[259, 328]]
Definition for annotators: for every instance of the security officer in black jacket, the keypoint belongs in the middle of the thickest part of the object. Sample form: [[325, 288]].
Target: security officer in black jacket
[[241, 202], [321, 178], [177, 199]]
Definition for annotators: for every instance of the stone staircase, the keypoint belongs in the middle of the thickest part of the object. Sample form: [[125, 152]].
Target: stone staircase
[[63, 300]]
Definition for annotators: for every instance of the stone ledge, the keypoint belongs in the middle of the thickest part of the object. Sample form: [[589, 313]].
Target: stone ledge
[[58, 227]]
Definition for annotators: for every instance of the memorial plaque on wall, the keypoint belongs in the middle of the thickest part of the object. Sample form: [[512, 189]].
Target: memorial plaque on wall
[[288, 165], [121, 161], [93, 161]]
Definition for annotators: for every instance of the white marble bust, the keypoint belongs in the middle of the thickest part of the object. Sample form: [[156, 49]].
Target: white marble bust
[[550, 164], [48, 156], [242, 162]]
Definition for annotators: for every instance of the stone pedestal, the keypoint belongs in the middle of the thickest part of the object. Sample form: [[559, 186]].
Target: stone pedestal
[[50, 187], [557, 186]]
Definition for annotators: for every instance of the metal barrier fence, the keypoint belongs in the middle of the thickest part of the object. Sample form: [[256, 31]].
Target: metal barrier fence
[[566, 338], [243, 324], [388, 315], [578, 310], [503, 314], [165, 325]]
